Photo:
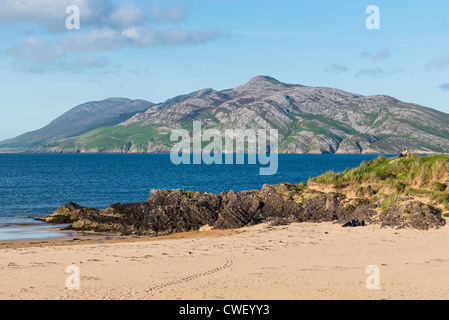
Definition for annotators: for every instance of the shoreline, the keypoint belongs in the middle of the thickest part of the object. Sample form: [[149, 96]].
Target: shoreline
[[91, 237], [223, 153], [300, 261]]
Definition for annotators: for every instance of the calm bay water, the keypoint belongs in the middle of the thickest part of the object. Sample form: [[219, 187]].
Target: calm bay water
[[34, 185]]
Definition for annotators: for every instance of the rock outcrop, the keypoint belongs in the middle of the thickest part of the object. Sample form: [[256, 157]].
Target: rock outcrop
[[414, 214], [171, 211], [69, 213]]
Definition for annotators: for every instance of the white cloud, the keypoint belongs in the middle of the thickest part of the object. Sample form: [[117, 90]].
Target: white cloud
[[105, 39], [51, 14], [36, 49], [147, 37], [104, 27], [172, 14], [108, 39], [127, 14]]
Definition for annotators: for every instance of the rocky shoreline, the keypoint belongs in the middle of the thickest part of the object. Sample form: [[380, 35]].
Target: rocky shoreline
[[172, 211]]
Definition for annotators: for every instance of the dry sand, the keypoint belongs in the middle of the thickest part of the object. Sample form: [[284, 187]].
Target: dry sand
[[298, 261]]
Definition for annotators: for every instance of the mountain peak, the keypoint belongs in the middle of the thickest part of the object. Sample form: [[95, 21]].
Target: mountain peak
[[262, 83], [309, 120], [264, 80]]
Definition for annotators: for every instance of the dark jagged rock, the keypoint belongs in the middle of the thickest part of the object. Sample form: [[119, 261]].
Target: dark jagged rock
[[69, 213], [416, 215], [171, 211]]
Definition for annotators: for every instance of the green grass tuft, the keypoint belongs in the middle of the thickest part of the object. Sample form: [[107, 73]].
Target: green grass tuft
[[428, 175]]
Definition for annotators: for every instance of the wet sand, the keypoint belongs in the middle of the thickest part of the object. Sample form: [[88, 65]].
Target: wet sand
[[298, 261]]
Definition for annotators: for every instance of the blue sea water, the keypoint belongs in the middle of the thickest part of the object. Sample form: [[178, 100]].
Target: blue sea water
[[35, 185]]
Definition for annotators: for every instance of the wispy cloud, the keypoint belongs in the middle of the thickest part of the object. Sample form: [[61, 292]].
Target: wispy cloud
[[439, 63], [336, 69], [35, 49], [377, 56], [382, 55], [84, 64], [90, 63], [375, 72]]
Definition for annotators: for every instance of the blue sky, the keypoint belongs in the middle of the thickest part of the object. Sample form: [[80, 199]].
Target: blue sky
[[155, 50]]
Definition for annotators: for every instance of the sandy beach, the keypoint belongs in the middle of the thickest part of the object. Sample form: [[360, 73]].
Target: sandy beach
[[292, 262]]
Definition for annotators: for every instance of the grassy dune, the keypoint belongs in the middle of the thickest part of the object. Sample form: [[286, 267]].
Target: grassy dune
[[425, 177]]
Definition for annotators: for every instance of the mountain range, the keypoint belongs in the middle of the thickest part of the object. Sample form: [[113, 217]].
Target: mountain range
[[316, 120]]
